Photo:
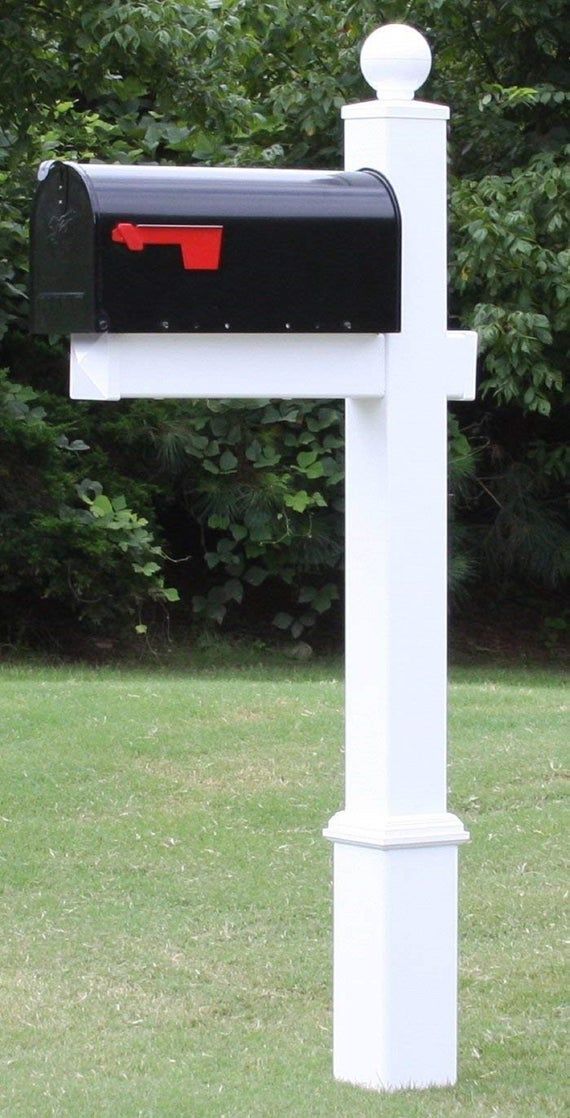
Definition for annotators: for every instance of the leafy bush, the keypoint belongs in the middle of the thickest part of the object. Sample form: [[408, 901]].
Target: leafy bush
[[264, 481], [510, 271], [68, 553]]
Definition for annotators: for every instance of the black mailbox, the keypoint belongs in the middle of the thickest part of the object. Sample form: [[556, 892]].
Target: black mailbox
[[151, 248]]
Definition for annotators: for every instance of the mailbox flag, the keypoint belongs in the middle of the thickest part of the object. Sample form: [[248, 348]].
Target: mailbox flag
[[200, 244]]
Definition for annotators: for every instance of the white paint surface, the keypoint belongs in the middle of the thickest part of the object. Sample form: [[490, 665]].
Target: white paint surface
[[117, 366], [395, 965], [395, 844], [395, 61]]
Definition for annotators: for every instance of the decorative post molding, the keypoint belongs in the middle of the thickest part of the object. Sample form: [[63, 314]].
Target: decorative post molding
[[395, 844]]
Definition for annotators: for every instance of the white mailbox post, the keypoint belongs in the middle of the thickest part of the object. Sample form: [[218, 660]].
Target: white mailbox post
[[395, 844]]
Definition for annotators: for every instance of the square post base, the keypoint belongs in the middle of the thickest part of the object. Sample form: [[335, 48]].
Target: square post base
[[395, 964]]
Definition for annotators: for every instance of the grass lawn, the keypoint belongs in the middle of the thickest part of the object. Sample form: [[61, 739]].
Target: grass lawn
[[166, 902]]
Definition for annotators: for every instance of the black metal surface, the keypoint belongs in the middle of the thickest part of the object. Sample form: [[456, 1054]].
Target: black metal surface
[[301, 251]]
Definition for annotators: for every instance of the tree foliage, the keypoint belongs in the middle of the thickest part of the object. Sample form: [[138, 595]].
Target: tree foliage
[[259, 485], [68, 552], [264, 480]]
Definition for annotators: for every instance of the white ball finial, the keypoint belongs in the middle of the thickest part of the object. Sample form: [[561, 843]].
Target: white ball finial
[[395, 61]]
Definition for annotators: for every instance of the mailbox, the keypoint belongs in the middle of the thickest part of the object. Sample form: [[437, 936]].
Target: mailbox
[[183, 249]]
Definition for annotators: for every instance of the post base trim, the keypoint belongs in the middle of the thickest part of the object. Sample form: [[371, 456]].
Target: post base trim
[[388, 832]]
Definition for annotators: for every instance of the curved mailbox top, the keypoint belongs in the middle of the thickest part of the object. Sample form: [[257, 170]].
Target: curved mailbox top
[[184, 249]]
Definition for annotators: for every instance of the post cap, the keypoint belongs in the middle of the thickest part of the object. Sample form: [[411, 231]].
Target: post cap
[[395, 61]]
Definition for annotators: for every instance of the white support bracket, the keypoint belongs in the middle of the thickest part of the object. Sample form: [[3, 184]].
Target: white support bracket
[[460, 357], [222, 366]]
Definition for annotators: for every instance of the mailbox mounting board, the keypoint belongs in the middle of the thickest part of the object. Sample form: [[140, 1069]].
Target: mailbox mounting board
[[151, 249]]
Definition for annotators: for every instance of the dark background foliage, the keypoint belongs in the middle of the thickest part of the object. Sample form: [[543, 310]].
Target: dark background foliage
[[247, 497]]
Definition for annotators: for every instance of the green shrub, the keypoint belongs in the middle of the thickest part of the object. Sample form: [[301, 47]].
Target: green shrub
[[69, 554]]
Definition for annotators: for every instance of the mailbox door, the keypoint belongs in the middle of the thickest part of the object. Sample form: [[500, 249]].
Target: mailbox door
[[63, 260]]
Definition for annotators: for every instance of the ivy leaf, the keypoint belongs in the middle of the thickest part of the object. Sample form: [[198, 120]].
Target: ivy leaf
[[234, 589], [171, 594], [306, 458], [228, 461], [147, 569], [239, 531], [219, 425], [322, 601], [217, 613], [307, 619], [254, 450], [218, 521], [282, 620], [306, 594], [255, 576], [314, 471], [269, 457], [298, 501], [271, 415], [101, 506]]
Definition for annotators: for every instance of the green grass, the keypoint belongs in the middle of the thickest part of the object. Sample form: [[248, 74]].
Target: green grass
[[166, 903]]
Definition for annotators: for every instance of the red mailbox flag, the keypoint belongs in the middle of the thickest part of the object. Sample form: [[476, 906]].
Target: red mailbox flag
[[201, 245]]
